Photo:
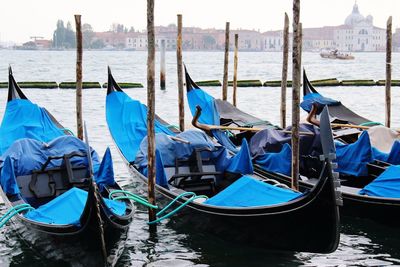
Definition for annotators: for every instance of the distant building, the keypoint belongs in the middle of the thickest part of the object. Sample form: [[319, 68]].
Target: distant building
[[359, 34]]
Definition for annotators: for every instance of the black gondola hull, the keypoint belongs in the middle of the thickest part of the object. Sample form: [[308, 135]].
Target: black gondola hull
[[285, 227]]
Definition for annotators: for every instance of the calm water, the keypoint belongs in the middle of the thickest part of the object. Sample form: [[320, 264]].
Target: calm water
[[362, 243]]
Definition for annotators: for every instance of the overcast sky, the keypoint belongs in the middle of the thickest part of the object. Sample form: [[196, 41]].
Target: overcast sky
[[20, 19]]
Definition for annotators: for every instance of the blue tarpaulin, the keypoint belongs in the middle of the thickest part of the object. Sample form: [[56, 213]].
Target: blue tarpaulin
[[23, 119], [249, 192], [171, 149], [393, 157], [316, 98], [385, 185], [127, 121], [26, 155], [68, 207], [279, 162], [209, 114], [353, 158], [241, 162]]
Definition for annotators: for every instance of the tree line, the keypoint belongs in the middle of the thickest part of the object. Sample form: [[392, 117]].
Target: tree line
[[64, 37]]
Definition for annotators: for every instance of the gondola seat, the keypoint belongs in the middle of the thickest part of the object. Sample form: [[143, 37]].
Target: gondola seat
[[195, 174]]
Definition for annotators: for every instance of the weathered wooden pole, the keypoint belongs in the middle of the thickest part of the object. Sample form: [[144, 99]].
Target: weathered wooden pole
[[284, 70], [162, 65], [296, 73], [235, 66], [79, 52], [181, 105], [226, 59], [151, 150], [388, 71]]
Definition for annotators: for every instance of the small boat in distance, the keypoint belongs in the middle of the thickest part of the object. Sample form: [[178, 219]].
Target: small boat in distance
[[335, 54]]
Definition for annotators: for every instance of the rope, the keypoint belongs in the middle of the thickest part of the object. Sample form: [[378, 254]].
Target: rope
[[162, 212], [68, 130], [131, 196], [369, 123], [169, 214], [14, 211], [256, 123]]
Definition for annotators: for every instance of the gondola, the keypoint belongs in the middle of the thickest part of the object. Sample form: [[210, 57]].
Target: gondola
[[356, 201], [62, 209], [233, 206]]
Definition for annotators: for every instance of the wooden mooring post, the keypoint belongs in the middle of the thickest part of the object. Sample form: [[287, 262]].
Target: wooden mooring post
[[388, 100], [284, 70], [162, 65], [79, 52], [296, 73], [235, 66], [181, 105], [226, 59], [151, 149]]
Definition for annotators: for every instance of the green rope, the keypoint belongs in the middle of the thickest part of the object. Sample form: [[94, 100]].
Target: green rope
[[256, 123], [131, 196], [369, 123], [169, 214], [173, 126], [140, 200], [68, 130], [14, 211]]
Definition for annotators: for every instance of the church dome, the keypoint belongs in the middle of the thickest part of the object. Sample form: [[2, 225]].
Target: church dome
[[355, 16]]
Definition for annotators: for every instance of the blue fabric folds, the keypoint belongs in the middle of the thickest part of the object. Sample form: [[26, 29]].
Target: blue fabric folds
[[393, 157], [279, 162], [353, 158], [385, 185], [127, 121], [26, 155], [249, 192], [241, 162], [209, 114], [7, 179], [105, 173], [23, 119], [68, 208], [316, 98]]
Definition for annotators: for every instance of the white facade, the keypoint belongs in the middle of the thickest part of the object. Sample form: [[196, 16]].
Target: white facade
[[139, 42], [359, 34]]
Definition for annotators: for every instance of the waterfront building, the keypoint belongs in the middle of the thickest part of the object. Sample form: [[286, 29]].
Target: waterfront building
[[359, 34]]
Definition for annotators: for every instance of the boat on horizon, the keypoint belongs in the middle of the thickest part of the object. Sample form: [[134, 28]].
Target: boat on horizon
[[335, 54]]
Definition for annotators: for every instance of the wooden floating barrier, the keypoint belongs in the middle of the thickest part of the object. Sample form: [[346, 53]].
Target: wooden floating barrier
[[85, 85], [276, 84], [357, 83], [33, 85], [326, 82], [127, 85], [383, 82], [246, 83], [209, 83]]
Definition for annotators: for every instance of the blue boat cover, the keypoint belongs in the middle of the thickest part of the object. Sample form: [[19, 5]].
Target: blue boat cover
[[385, 185], [241, 162], [24, 119], [68, 207], [209, 114], [279, 162], [393, 157], [249, 192], [127, 121], [353, 158], [161, 177], [316, 98], [170, 150], [26, 155]]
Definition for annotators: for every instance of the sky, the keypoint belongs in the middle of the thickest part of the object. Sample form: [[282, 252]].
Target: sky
[[21, 19]]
